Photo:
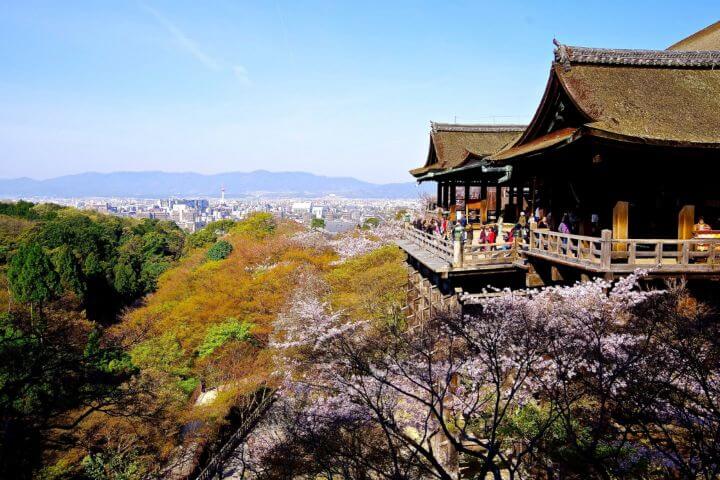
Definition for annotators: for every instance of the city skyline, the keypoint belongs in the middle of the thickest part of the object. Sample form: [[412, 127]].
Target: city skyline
[[156, 85]]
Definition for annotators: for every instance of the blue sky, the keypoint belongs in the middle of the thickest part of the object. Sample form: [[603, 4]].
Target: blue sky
[[334, 88]]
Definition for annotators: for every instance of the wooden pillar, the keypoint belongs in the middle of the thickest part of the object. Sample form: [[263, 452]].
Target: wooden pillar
[[467, 199], [443, 203], [520, 198], [533, 188], [438, 198], [686, 221], [498, 201], [483, 190], [511, 203], [483, 210], [605, 248], [453, 192], [620, 224]]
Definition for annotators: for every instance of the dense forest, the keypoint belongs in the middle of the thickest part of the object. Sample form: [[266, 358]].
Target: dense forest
[[67, 276], [114, 332]]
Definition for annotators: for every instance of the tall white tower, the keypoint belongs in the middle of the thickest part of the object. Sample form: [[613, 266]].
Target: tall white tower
[[222, 194]]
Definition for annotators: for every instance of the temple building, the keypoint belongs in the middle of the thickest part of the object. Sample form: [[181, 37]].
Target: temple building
[[455, 162], [624, 150]]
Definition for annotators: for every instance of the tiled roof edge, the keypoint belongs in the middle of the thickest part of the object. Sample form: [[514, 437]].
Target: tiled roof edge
[[567, 55], [480, 128]]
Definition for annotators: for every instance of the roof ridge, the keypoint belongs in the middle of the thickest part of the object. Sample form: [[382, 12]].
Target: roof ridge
[[567, 55], [476, 127]]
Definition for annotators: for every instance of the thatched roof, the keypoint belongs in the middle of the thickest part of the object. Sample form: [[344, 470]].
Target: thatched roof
[[564, 135], [666, 97], [706, 39], [664, 104], [452, 145]]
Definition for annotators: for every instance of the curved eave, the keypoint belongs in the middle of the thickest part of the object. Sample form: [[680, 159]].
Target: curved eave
[[443, 174], [539, 145], [428, 173], [599, 132], [564, 137]]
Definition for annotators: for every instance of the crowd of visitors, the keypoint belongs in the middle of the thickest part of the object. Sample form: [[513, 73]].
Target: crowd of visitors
[[498, 235]]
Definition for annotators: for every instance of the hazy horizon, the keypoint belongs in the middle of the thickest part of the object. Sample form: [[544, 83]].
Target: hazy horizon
[[158, 184], [206, 174]]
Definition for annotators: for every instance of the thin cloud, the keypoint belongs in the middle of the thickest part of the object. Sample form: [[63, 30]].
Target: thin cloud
[[192, 48], [241, 74]]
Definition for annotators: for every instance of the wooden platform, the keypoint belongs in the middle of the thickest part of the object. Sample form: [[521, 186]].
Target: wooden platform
[[697, 258], [429, 259], [438, 265]]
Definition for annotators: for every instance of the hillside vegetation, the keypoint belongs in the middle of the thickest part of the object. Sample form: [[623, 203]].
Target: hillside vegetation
[[127, 345]]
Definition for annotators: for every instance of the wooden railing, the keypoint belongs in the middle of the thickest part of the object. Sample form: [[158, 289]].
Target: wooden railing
[[596, 254], [435, 244], [261, 402], [489, 254], [606, 254], [576, 248], [502, 253], [688, 255]]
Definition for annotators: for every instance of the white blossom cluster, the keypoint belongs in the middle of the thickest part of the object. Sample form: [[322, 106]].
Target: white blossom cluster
[[351, 244], [570, 352]]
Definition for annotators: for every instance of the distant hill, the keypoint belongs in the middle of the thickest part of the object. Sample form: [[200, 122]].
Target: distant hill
[[237, 184]]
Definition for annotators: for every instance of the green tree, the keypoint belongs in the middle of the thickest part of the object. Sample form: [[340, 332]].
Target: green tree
[[258, 225], [92, 265], [220, 334], [370, 223], [126, 281], [210, 233], [70, 271], [113, 466], [154, 243], [220, 251], [317, 223], [150, 272], [31, 276]]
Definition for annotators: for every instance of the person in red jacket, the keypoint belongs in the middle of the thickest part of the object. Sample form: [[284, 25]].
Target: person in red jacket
[[491, 236]]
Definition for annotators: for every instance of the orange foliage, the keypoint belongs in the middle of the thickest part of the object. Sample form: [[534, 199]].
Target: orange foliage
[[251, 285]]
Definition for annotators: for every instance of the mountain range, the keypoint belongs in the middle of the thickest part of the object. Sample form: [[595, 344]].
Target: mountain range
[[155, 184]]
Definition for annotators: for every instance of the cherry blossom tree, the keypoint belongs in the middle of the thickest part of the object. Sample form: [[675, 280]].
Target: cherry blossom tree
[[353, 243], [595, 380]]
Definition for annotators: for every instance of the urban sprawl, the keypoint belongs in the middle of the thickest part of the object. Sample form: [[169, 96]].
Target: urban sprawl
[[337, 214]]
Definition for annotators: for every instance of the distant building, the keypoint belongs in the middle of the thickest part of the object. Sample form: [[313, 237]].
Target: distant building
[[318, 212], [298, 208]]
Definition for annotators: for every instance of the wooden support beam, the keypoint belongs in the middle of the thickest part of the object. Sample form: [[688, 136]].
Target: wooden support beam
[[511, 202], [686, 221], [533, 188], [467, 194], [620, 224], [606, 248], [484, 210]]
